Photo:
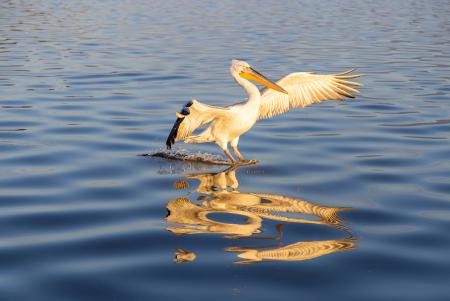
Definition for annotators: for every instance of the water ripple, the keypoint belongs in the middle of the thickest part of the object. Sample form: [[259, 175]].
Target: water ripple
[[350, 200]]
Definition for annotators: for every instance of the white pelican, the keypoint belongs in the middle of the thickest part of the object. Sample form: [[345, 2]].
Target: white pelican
[[227, 124]]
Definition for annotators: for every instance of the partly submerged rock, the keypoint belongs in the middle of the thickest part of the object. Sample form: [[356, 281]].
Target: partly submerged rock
[[192, 157]]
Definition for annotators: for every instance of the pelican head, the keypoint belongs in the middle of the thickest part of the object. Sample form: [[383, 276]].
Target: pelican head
[[244, 70]]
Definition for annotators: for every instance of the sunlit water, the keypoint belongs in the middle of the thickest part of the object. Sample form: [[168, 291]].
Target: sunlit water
[[349, 201]]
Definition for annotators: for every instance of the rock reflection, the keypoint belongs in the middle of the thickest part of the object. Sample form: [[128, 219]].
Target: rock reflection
[[220, 195], [184, 256]]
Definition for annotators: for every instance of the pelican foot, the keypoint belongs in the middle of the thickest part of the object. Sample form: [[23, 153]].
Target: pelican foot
[[245, 162]]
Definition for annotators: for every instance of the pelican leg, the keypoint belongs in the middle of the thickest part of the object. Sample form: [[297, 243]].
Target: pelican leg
[[227, 152], [236, 151], [234, 145], [224, 147]]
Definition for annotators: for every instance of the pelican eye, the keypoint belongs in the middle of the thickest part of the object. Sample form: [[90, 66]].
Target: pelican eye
[[189, 104], [244, 69]]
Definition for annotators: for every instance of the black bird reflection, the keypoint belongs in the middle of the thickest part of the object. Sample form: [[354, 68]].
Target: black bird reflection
[[220, 195]]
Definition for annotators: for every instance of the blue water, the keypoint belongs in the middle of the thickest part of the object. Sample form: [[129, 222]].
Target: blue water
[[350, 200]]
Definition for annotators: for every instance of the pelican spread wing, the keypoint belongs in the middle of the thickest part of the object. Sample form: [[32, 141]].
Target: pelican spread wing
[[305, 88], [193, 115]]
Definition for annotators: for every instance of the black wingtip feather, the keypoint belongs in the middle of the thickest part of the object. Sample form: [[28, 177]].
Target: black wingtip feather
[[173, 133]]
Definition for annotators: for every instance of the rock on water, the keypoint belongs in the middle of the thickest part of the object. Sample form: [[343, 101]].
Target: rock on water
[[197, 157], [182, 156]]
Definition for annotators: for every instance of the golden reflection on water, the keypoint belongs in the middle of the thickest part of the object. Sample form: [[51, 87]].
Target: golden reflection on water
[[220, 195], [184, 256]]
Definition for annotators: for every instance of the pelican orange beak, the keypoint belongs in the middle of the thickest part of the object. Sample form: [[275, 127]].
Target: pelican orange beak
[[251, 74]]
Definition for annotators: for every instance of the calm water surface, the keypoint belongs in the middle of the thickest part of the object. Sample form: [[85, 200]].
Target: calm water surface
[[350, 200]]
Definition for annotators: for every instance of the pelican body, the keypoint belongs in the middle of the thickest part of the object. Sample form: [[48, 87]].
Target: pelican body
[[227, 124]]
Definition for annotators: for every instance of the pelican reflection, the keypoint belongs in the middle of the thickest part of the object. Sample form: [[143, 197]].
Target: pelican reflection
[[220, 196]]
